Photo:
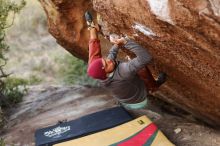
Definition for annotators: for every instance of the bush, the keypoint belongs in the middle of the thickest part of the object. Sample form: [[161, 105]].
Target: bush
[[1, 119], [74, 71], [2, 142], [33, 79], [14, 90], [7, 8]]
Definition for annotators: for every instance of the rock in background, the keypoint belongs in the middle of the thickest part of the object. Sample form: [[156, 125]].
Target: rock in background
[[182, 36]]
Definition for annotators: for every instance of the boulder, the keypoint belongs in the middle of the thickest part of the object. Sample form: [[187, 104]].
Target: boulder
[[183, 37]]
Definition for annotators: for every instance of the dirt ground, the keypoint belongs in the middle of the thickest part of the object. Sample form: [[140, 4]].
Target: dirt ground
[[46, 105]]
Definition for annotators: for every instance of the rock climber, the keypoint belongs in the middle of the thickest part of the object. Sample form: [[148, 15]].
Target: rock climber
[[130, 81]]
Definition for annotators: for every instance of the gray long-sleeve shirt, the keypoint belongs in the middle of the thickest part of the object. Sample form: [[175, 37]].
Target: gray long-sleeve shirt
[[125, 84]]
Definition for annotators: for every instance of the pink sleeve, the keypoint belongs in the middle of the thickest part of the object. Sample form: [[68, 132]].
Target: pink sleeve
[[94, 50]]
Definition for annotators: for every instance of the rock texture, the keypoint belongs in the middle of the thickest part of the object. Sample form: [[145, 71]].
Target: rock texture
[[183, 36]]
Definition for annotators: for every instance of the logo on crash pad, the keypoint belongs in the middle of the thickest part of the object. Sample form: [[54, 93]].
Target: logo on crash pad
[[56, 132]]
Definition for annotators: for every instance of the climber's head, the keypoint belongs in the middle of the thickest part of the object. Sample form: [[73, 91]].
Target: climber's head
[[100, 67]]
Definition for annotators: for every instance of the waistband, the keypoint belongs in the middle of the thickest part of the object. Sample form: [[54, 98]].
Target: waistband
[[135, 106]]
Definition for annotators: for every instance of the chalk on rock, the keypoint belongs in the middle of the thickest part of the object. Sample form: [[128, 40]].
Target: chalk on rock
[[177, 130]]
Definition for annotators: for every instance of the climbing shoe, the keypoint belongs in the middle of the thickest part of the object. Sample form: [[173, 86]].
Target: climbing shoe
[[89, 19], [161, 79]]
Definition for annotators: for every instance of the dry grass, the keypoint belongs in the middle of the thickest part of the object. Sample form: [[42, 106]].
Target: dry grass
[[33, 51], [35, 55]]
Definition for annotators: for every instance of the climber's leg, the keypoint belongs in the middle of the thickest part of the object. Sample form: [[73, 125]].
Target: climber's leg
[[94, 29], [93, 34], [146, 76], [94, 42], [150, 83]]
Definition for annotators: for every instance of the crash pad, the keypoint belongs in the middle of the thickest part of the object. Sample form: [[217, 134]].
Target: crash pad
[[138, 132], [89, 124]]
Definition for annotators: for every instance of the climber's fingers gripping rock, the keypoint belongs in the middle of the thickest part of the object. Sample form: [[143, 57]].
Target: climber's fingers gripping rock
[[116, 39]]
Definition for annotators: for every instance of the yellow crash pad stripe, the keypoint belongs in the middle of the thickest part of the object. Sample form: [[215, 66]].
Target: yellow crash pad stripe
[[161, 140], [111, 136]]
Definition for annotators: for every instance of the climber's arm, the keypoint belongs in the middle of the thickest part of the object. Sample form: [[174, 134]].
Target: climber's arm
[[113, 52], [142, 58]]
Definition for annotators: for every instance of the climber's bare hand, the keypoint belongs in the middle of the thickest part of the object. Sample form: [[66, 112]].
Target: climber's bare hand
[[120, 41], [115, 39]]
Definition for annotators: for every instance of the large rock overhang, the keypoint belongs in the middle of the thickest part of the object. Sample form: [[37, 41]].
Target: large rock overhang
[[183, 37]]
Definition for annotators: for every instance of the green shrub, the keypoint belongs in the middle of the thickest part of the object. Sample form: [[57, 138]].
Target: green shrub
[[2, 142], [14, 90], [6, 8], [74, 71], [9, 88], [1, 118], [33, 79]]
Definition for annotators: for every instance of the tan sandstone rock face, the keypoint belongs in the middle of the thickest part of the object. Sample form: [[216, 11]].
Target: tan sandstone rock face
[[183, 37]]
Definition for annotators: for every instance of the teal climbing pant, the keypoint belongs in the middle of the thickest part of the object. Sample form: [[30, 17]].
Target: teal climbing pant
[[135, 106]]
